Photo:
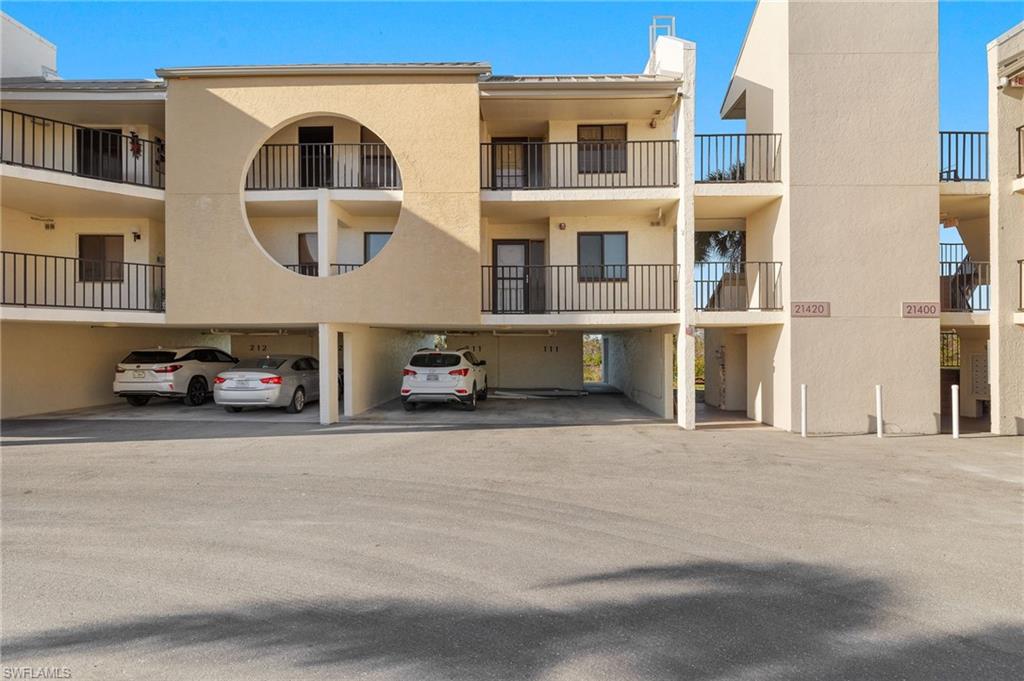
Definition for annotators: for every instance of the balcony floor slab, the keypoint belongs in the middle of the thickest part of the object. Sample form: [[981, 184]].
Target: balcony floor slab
[[50, 193]]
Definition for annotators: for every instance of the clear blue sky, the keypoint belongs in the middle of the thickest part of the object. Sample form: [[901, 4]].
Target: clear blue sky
[[130, 40]]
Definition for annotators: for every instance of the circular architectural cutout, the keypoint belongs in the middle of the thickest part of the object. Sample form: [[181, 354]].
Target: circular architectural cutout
[[363, 186]]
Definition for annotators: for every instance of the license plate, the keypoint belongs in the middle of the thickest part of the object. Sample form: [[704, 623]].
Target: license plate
[[243, 383], [139, 374], [432, 377]]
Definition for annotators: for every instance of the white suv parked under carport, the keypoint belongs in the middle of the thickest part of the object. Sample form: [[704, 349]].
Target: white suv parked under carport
[[455, 376], [186, 373]]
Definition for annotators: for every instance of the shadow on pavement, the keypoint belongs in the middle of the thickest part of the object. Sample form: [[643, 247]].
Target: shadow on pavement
[[711, 620]]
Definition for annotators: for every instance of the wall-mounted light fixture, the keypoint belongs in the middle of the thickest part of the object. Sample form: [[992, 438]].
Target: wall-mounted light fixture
[[136, 236], [561, 226]]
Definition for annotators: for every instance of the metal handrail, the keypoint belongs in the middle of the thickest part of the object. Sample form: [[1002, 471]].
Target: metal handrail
[[547, 289], [359, 165], [963, 156], [38, 280], [737, 286], [38, 142], [313, 269], [964, 285], [579, 165], [730, 158]]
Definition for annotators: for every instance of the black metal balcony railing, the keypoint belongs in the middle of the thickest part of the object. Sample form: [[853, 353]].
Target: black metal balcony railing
[[963, 156], [37, 142], [965, 286], [366, 165], [36, 280], [313, 269], [545, 289], [579, 165], [754, 157], [737, 286]]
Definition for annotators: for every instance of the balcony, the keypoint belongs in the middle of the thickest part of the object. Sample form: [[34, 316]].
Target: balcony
[[964, 284], [726, 158], [963, 156], [578, 165], [737, 286], [37, 280], [47, 144], [313, 269], [553, 289], [365, 165]]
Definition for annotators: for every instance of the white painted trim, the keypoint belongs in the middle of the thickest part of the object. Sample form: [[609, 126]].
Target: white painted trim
[[964, 318], [705, 319], [77, 182], [581, 319], [589, 194], [14, 313], [353, 195]]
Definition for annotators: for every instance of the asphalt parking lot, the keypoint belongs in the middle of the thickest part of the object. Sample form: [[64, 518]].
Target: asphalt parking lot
[[443, 547]]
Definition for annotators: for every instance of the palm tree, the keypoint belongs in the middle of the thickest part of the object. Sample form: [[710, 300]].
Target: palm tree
[[725, 244]]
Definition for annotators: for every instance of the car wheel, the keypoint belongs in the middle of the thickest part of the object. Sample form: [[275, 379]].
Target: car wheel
[[409, 406], [298, 402], [196, 394], [470, 405], [483, 393], [138, 400], [232, 410]]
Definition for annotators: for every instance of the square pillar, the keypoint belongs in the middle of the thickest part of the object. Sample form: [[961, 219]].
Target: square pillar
[[328, 344], [326, 232]]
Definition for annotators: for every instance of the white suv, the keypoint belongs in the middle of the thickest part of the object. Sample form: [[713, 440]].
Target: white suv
[[451, 376], [170, 372]]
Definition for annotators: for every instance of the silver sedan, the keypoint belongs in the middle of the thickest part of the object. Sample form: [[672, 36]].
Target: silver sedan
[[287, 381]]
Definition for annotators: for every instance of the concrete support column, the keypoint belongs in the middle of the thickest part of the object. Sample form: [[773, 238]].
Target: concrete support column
[[328, 345], [326, 232], [667, 354], [684, 350], [1006, 244]]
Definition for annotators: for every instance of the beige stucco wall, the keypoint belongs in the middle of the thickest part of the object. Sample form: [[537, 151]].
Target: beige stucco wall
[[279, 236], [639, 363], [53, 367], [57, 279], [853, 182], [1006, 236], [433, 134], [528, 361], [296, 342], [866, 189], [373, 360], [24, 53], [725, 369]]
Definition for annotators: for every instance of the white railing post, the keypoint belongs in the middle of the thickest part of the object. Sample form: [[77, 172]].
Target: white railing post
[[803, 410], [880, 428], [956, 411]]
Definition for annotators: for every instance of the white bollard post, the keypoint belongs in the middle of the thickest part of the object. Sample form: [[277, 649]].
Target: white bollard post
[[878, 411], [803, 410], [956, 412]]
